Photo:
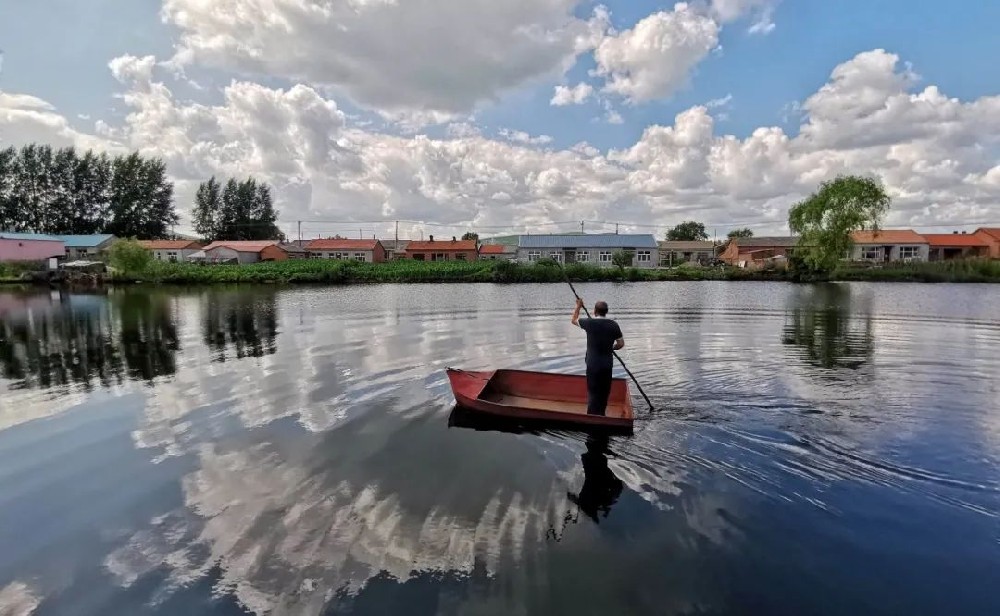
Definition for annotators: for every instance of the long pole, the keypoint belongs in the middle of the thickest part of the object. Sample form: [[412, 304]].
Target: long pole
[[627, 371]]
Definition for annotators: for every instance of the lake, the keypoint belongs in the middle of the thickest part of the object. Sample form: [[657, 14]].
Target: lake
[[830, 449]]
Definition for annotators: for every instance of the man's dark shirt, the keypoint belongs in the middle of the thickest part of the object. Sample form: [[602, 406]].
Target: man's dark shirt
[[601, 336]]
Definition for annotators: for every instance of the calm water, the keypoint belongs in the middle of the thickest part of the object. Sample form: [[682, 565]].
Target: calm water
[[815, 450]]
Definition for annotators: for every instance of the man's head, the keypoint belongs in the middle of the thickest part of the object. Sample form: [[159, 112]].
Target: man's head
[[601, 309]]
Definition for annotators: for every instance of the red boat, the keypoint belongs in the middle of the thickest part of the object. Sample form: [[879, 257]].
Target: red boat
[[541, 396]]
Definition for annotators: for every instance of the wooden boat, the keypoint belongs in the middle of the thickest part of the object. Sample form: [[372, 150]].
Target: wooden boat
[[539, 396]]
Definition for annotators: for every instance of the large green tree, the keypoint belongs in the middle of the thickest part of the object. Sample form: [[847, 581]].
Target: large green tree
[[689, 231], [826, 219], [239, 211], [744, 232], [63, 192]]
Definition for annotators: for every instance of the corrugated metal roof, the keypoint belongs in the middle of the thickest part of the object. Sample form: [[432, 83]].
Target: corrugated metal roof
[[682, 246], [169, 244], [589, 240], [444, 245], [955, 239], [341, 244], [782, 241], [29, 236], [85, 241], [496, 249], [242, 245]]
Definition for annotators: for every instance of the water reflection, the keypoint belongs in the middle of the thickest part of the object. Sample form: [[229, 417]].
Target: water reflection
[[820, 327], [601, 488], [244, 319], [50, 339]]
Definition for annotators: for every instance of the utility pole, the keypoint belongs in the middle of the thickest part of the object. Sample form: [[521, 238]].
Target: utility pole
[[581, 226], [397, 233], [616, 228], [300, 232], [361, 234]]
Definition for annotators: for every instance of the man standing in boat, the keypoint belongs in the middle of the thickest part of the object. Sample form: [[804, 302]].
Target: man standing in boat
[[603, 338]]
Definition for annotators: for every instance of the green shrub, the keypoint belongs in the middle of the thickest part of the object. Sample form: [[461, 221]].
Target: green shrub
[[129, 256]]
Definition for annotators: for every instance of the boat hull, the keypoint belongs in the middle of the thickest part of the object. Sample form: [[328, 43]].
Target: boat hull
[[539, 397]]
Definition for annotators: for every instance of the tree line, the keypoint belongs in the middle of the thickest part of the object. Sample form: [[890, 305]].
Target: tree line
[[237, 211], [62, 191]]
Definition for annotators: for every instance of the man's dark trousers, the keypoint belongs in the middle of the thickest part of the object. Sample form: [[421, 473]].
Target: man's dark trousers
[[598, 390]]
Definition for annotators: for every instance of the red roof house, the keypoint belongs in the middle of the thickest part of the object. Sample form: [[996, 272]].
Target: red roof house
[[448, 250], [370, 251]]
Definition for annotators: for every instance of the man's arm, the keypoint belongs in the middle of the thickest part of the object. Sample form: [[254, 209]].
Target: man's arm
[[576, 312], [619, 343]]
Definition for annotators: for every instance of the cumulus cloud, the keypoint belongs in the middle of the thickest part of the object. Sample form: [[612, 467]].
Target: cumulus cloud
[[654, 59], [935, 153], [396, 57], [761, 10], [576, 95]]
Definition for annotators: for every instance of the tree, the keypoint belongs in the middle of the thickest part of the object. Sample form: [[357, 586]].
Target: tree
[[744, 232], [8, 206], [689, 231], [469, 235], [129, 256], [208, 209], [621, 259], [245, 212], [141, 200], [826, 219]]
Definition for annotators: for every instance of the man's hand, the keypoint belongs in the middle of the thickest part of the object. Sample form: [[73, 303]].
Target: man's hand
[[576, 311], [579, 303]]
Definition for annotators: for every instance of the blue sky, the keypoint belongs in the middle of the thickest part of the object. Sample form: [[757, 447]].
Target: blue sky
[[64, 61]]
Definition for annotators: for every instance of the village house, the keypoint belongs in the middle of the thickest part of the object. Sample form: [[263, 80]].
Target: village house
[[948, 246], [86, 246], [369, 251], [497, 252], [675, 252], [30, 247], [453, 250], [991, 236], [171, 250], [889, 245], [754, 251], [234, 251], [592, 248], [394, 249]]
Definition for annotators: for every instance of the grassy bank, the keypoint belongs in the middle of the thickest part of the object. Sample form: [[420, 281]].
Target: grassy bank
[[351, 272], [346, 272]]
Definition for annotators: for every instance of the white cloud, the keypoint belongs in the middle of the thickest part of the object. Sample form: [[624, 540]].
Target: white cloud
[[396, 57], [577, 95], [935, 153], [613, 117], [654, 59], [761, 11], [719, 102]]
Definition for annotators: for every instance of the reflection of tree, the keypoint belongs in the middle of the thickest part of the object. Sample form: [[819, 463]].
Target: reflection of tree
[[246, 319], [821, 326], [48, 341]]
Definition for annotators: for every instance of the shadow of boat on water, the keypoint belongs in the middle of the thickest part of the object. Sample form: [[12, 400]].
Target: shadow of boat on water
[[462, 417]]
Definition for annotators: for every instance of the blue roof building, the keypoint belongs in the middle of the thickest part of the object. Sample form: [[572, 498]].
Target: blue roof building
[[590, 248], [95, 240]]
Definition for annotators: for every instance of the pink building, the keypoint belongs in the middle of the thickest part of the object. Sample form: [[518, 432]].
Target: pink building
[[29, 247]]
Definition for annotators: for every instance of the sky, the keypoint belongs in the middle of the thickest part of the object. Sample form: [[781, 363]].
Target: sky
[[524, 115]]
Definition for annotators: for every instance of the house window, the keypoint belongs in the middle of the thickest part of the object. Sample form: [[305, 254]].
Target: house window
[[604, 256], [359, 256], [460, 256], [871, 253], [390, 254], [418, 257], [909, 252], [172, 257], [643, 256], [556, 256], [534, 255], [582, 256], [439, 256]]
